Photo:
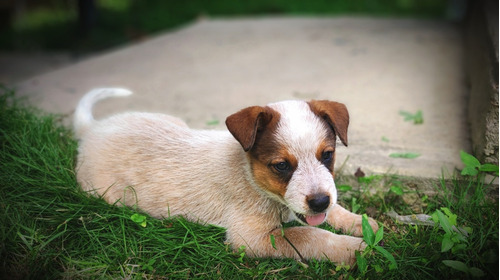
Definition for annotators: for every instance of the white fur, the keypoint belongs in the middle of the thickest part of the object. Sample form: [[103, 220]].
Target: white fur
[[302, 131], [83, 116], [156, 162]]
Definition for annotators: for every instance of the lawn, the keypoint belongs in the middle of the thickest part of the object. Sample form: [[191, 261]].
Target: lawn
[[50, 229]]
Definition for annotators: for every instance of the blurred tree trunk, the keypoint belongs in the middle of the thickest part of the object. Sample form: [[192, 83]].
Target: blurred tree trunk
[[87, 15]]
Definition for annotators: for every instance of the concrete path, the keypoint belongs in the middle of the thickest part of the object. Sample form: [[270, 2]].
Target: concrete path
[[212, 68], [19, 66]]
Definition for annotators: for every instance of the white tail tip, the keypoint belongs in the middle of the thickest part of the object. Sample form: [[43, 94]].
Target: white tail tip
[[83, 113]]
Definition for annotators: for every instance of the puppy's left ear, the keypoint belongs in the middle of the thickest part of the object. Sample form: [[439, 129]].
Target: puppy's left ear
[[335, 114], [245, 124]]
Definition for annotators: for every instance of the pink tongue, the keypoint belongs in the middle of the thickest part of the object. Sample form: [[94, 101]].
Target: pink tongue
[[316, 219]]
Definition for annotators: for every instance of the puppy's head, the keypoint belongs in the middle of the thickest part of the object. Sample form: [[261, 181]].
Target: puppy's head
[[291, 150]]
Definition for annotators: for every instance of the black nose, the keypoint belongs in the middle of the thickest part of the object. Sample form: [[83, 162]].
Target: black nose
[[318, 203]]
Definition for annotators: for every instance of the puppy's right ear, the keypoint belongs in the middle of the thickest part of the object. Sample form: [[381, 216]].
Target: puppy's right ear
[[245, 124]]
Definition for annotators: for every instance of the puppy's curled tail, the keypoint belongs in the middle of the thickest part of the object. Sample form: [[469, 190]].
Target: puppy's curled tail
[[83, 113]]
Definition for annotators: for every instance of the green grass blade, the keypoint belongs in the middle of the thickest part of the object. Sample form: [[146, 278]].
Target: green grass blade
[[368, 234], [388, 256]]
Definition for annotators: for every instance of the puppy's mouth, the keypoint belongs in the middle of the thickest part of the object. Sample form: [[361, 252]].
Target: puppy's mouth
[[313, 220]]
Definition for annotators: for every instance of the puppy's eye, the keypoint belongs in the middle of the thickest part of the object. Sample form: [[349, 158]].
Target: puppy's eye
[[282, 166], [326, 156]]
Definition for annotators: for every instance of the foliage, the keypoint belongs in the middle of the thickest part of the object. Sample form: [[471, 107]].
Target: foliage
[[454, 239], [372, 241], [55, 25], [51, 229], [405, 155], [416, 118], [473, 167]]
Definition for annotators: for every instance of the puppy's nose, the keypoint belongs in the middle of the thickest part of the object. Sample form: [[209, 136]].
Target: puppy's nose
[[318, 203]]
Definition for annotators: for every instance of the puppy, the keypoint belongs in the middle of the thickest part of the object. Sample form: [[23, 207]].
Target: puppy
[[275, 164]]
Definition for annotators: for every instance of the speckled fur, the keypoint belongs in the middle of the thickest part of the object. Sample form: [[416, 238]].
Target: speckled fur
[[157, 163]]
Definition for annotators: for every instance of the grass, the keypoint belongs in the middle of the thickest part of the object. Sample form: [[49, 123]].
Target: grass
[[55, 26], [50, 229]]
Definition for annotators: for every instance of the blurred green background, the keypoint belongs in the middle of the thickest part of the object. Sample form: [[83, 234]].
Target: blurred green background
[[88, 26]]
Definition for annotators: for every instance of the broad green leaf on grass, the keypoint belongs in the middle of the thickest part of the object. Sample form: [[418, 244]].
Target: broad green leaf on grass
[[369, 179], [397, 190], [435, 218], [444, 222], [212, 122], [368, 235], [339, 267], [362, 262], [354, 205], [468, 230], [140, 219], [488, 167], [469, 171], [452, 218], [471, 164], [446, 244], [458, 247], [417, 118], [460, 266], [388, 256], [378, 268], [476, 272], [344, 188], [405, 155], [469, 160], [241, 252], [379, 235], [273, 241]]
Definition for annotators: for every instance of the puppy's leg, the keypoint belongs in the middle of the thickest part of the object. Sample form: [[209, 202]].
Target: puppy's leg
[[302, 242], [349, 222]]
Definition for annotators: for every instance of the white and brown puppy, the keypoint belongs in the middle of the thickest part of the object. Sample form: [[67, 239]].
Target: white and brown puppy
[[275, 164]]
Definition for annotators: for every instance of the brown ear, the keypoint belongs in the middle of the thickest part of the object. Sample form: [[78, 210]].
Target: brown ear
[[335, 114], [245, 124]]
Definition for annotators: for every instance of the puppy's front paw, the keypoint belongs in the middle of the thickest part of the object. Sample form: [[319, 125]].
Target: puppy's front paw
[[349, 222], [351, 246], [357, 228]]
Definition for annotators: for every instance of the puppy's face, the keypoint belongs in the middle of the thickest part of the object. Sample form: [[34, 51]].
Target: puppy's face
[[291, 149]]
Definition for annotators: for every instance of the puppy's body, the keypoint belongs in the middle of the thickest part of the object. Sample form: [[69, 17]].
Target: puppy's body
[[284, 171]]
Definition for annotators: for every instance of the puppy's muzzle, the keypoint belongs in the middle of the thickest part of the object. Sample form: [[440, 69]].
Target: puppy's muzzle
[[319, 202]]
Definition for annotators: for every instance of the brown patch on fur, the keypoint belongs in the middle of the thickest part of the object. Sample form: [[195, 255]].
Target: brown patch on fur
[[140, 159], [328, 144], [245, 124], [262, 160], [255, 129], [335, 114], [270, 183]]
